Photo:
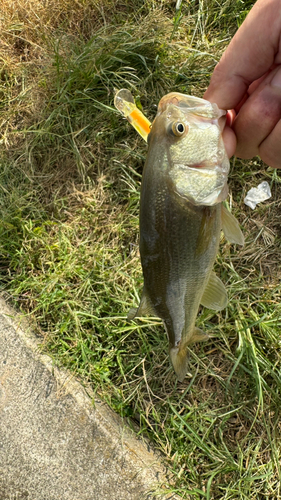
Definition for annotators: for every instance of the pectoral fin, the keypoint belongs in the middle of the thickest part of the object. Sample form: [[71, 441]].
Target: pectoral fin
[[145, 308], [215, 295], [231, 227]]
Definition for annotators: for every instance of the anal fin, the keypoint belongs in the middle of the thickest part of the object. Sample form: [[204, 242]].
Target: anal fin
[[231, 227], [215, 295]]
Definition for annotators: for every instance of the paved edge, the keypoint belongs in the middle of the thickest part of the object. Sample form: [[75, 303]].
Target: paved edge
[[149, 473]]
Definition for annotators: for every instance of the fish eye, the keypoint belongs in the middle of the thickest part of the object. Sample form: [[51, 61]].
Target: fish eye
[[178, 128]]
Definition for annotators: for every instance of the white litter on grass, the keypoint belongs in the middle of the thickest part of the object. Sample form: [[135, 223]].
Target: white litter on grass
[[257, 195]]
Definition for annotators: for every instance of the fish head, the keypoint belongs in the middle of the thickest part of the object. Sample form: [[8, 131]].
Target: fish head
[[190, 130]]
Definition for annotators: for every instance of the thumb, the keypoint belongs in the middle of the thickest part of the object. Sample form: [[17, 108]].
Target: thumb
[[250, 54]]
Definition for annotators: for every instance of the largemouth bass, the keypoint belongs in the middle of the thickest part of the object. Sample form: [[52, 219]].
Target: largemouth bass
[[181, 216]]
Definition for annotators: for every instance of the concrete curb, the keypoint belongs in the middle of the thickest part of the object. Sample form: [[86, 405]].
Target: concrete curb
[[54, 444]]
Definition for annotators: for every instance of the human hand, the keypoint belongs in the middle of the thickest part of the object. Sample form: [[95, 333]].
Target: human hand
[[248, 80]]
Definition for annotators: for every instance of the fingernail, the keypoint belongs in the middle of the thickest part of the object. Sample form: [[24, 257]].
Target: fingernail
[[276, 80], [230, 117]]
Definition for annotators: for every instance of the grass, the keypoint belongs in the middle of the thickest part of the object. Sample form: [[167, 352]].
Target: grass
[[70, 173]]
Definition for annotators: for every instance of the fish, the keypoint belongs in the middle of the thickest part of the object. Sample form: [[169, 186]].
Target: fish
[[184, 183]]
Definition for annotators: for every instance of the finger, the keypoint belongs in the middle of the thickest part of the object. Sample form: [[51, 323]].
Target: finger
[[250, 54], [270, 148], [240, 104], [258, 116], [229, 140], [257, 82]]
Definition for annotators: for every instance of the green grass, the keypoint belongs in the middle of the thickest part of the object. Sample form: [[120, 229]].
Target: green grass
[[70, 173]]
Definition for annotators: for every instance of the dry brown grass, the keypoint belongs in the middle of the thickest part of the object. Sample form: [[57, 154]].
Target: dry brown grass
[[29, 33], [28, 26]]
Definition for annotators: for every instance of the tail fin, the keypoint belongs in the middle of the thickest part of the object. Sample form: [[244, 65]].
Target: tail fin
[[179, 359], [179, 355]]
